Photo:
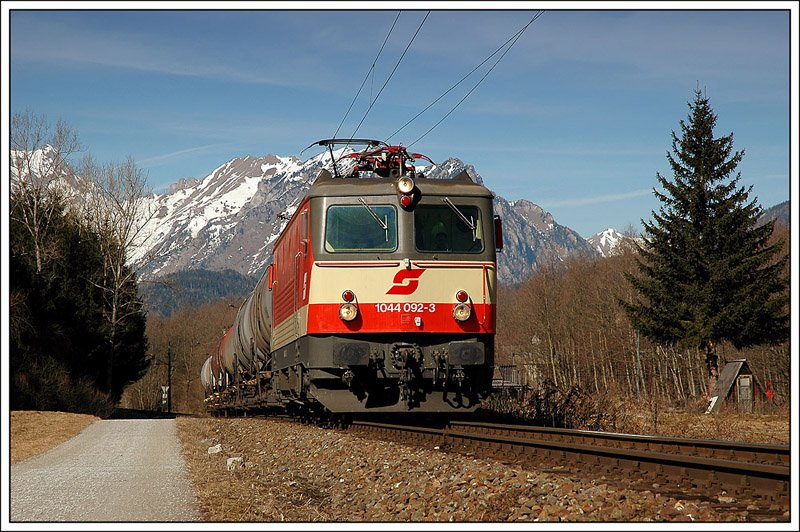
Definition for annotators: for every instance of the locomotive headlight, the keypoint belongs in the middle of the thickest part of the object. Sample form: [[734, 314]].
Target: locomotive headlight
[[405, 185], [348, 312], [462, 312]]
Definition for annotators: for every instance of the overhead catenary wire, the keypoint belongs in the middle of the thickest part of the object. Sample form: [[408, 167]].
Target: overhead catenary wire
[[390, 75], [456, 84], [371, 70], [513, 42]]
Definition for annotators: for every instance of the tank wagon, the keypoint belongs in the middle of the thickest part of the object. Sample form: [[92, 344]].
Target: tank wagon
[[379, 297]]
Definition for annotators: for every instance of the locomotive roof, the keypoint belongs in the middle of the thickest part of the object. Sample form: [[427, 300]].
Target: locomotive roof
[[460, 185]]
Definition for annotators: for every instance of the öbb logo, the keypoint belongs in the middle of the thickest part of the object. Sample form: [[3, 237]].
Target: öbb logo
[[406, 282]]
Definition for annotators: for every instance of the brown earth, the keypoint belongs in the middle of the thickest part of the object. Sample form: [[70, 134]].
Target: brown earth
[[34, 432]]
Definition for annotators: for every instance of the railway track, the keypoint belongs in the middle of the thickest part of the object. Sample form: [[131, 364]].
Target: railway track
[[754, 472]]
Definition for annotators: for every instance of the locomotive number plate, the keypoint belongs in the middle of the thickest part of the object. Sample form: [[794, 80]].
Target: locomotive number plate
[[405, 307]]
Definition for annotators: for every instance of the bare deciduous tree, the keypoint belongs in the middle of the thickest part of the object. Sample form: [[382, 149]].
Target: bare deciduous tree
[[39, 162], [190, 346], [566, 326], [117, 209]]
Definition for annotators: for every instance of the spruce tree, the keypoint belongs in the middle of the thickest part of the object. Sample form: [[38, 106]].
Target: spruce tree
[[707, 271]]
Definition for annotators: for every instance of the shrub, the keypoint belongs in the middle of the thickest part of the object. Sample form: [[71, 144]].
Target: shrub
[[45, 384], [562, 407]]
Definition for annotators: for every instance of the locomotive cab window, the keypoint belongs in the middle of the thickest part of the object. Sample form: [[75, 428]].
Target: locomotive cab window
[[448, 228], [364, 227]]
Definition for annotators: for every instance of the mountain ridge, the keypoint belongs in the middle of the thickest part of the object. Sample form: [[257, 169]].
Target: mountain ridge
[[210, 223], [230, 218]]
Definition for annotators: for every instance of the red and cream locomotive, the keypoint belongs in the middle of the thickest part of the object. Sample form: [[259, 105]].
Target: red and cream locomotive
[[380, 297]]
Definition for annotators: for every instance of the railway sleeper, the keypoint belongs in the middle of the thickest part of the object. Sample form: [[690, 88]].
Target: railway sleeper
[[695, 478]]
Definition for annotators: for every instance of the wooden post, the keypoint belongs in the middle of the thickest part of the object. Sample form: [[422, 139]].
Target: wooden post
[[169, 377]]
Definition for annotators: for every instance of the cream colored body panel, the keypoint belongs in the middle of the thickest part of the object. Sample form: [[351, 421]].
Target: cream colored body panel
[[290, 329], [370, 282], [437, 284]]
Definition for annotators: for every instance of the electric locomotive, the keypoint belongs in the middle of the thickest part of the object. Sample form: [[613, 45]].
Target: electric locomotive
[[380, 296]]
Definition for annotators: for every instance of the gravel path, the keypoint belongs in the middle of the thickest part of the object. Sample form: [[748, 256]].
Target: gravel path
[[115, 470]]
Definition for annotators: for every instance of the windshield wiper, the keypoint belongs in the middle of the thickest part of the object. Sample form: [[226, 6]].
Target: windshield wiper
[[383, 223], [460, 214], [467, 221]]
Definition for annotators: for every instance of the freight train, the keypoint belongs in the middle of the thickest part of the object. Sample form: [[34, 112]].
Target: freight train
[[379, 297]]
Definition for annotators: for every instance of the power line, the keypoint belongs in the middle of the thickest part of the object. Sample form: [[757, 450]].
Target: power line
[[515, 39], [460, 81], [371, 69], [390, 75]]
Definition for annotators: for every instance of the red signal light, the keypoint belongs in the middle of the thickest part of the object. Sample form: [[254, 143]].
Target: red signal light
[[348, 296], [462, 296], [405, 201]]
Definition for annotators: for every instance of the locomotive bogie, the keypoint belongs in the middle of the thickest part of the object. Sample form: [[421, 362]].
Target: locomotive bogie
[[384, 373]]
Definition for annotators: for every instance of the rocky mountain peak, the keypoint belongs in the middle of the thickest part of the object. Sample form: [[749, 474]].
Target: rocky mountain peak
[[542, 220], [611, 242], [184, 182], [450, 168]]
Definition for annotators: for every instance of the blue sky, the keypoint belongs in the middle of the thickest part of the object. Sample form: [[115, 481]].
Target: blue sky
[[577, 116]]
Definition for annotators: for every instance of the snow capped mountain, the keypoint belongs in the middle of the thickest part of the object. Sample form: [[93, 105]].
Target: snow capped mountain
[[44, 168], [610, 242], [230, 219], [448, 169], [533, 239]]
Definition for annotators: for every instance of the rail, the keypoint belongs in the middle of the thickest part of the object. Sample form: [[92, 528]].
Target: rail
[[748, 470]]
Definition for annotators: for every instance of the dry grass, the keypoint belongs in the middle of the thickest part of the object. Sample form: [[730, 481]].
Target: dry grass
[[762, 428], [35, 432], [254, 493], [573, 408]]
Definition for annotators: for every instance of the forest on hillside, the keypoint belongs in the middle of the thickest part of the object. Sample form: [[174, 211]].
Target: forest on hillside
[[166, 294]]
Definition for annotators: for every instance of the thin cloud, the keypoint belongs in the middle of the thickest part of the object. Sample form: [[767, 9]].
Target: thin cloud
[[607, 198], [57, 42], [159, 159]]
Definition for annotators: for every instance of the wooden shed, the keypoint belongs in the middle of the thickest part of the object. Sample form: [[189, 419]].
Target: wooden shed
[[507, 376], [736, 386]]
